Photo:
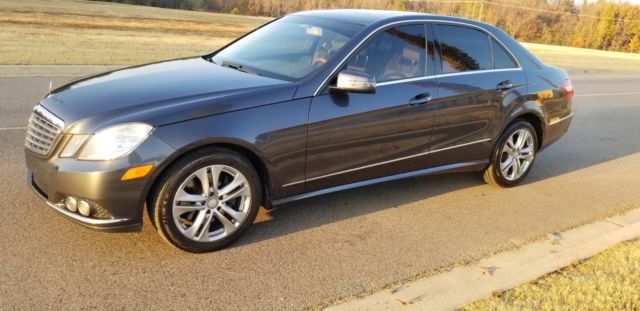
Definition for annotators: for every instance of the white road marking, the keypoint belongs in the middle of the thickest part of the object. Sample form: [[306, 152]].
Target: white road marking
[[2, 129], [606, 94]]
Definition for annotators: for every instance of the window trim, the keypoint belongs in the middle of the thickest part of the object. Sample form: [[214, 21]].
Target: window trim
[[443, 75], [326, 80]]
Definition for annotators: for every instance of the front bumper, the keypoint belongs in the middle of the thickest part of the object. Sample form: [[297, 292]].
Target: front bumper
[[109, 224], [118, 204]]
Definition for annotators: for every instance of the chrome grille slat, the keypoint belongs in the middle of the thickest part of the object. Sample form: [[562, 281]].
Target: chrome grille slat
[[38, 132], [43, 131]]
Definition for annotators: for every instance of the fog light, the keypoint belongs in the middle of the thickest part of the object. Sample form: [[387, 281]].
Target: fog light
[[71, 203], [84, 208]]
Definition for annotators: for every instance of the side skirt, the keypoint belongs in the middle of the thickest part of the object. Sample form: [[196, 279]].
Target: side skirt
[[450, 168]]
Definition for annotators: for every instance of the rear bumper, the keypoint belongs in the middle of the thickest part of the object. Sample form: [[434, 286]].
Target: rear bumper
[[556, 129]]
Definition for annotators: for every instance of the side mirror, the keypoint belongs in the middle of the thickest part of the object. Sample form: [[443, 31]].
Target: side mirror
[[350, 81]]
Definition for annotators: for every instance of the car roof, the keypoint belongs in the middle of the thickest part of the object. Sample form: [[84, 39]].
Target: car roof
[[368, 17]]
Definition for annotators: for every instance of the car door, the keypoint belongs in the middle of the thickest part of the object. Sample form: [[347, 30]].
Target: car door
[[477, 79], [355, 137]]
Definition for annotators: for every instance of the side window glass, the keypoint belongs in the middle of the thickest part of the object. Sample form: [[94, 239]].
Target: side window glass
[[463, 49], [501, 58], [394, 54]]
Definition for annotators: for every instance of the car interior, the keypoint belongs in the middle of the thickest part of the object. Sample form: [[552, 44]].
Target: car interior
[[390, 57]]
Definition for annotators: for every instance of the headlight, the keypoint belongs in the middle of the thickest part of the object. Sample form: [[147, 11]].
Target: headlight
[[73, 145], [115, 142]]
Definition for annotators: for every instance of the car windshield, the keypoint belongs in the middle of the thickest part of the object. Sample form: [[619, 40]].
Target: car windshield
[[289, 48]]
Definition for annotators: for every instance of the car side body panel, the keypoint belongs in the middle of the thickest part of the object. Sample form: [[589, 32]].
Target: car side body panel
[[355, 137], [469, 114]]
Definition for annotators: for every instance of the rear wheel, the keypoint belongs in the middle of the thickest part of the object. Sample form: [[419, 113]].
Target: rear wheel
[[513, 155], [206, 200]]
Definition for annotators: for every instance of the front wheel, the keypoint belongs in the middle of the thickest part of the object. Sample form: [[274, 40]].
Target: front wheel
[[206, 200], [513, 155]]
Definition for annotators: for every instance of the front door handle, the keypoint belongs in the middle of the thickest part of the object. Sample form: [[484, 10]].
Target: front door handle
[[420, 99], [504, 86]]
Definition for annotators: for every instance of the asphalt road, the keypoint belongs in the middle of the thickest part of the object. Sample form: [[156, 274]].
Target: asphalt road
[[313, 252]]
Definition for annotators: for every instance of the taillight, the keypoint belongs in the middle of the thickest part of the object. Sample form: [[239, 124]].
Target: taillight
[[567, 89]]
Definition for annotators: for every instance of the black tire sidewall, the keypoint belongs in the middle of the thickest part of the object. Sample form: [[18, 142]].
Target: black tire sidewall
[[166, 222], [495, 159]]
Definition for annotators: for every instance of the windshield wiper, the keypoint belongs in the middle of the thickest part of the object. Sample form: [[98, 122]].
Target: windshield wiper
[[210, 59], [238, 67]]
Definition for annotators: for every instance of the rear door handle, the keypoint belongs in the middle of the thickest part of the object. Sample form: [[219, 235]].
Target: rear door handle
[[420, 99], [504, 86]]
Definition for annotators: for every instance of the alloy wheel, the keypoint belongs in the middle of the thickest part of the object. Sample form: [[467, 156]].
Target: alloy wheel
[[517, 154], [211, 203]]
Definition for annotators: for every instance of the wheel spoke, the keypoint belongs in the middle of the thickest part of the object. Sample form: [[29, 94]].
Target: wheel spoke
[[510, 144], [226, 223], [236, 215], [516, 168], [204, 177], [528, 157], [508, 148], [215, 177], [204, 232], [526, 150], [504, 166], [181, 209], [197, 224], [237, 181], [521, 139], [242, 190], [183, 196]]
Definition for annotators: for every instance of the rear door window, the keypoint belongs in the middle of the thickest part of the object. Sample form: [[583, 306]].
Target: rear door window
[[501, 58], [463, 49]]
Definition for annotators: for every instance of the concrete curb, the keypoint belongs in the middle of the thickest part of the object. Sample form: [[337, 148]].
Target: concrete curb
[[53, 70], [463, 285]]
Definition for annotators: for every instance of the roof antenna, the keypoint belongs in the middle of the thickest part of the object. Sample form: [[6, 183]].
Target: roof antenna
[[50, 86]]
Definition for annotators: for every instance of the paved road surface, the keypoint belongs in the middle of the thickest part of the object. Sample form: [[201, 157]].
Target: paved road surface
[[316, 251]]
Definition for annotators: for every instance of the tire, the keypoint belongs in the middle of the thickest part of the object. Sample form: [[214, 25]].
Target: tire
[[194, 215], [499, 172]]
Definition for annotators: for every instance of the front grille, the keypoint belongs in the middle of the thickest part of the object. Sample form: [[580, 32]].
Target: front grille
[[43, 131]]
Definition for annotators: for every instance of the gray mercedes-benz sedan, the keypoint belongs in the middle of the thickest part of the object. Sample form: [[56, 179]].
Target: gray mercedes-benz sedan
[[308, 104]]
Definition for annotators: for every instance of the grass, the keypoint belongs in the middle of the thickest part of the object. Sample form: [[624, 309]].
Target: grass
[[607, 281], [585, 59], [81, 32], [77, 32]]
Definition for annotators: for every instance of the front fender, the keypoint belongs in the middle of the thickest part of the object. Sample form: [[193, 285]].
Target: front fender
[[273, 134]]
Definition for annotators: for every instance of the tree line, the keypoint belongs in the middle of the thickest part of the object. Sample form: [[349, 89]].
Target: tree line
[[599, 25]]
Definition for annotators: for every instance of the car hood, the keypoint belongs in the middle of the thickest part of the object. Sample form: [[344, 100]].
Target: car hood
[[161, 93]]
